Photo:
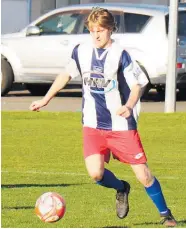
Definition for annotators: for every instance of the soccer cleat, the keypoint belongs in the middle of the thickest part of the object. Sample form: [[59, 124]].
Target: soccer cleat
[[168, 219], [122, 205]]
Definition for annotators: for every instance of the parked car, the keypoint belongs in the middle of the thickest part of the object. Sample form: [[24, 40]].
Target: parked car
[[35, 55]]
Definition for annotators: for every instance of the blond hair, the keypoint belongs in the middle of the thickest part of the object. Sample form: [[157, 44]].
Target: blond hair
[[101, 17]]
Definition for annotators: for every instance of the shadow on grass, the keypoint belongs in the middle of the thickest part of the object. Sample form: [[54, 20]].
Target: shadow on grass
[[158, 223], [147, 223], [116, 227], [18, 208], [181, 221], [3, 186]]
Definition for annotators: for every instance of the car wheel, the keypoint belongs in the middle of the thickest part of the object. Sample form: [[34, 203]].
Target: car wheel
[[182, 92], [161, 92], [7, 77], [38, 89]]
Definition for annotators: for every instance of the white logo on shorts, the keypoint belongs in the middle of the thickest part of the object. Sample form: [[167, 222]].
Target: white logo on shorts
[[139, 155]]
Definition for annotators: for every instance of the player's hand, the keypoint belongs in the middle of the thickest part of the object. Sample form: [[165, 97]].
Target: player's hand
[[124, 111], [36, 105]]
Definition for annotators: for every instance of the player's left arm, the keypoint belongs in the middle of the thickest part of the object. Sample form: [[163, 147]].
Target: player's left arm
[[137, 81], [135, 94]]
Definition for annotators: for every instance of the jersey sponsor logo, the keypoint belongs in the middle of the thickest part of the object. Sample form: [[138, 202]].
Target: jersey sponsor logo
[[97, 83]]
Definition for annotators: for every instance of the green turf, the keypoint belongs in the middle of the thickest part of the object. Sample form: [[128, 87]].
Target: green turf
[[42, 152]]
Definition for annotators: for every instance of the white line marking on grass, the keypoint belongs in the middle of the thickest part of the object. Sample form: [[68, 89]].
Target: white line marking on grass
[[78, 174], [43, 172]]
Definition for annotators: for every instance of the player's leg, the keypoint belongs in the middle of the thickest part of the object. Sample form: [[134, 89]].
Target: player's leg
[[127, 147], [95, 150], [102, 176], [154, 191]]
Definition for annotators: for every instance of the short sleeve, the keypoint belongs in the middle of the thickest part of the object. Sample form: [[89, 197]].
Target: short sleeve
[[132, 72], [73, 67]]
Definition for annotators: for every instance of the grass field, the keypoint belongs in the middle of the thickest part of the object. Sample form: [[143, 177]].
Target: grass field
[[42, 152]]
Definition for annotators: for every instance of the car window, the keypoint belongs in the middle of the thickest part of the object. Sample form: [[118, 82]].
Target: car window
[[66, 23], [117, 17], [181, 23], [134, 23]]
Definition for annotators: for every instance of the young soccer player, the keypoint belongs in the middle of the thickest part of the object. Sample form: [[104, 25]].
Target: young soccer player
[[112, 86]]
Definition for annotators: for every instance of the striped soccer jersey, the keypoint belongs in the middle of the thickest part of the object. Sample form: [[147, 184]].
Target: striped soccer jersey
[[107, 76]]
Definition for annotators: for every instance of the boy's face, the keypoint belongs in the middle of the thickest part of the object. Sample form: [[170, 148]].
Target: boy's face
[[101, 36]]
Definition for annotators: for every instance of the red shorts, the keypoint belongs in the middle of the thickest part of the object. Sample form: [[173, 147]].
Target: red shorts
[[125, 145]]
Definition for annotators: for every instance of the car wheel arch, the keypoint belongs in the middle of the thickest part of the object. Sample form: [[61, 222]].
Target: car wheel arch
[[144, 70], [7, 76], [11, 57]]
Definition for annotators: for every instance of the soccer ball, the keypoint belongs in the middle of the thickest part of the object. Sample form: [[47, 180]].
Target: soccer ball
[[50, 207]]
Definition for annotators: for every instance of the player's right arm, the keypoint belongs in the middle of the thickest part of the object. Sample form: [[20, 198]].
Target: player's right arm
[[71, 71], [59, 83]]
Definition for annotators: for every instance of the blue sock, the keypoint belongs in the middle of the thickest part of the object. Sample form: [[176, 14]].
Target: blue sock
[[110, 181], [156, 195]]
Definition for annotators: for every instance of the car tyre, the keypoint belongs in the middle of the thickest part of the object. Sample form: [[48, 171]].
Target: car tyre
[[38, 89], [7, 77], [161, 92], [182, 93]]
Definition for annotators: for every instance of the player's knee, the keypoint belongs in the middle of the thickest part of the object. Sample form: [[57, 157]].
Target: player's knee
[[96, 175], [146, 178]]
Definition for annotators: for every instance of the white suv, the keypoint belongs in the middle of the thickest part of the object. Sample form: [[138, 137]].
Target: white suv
[[35, 55]]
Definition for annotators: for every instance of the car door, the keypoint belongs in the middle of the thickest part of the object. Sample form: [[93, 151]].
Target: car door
[[46, 54]]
